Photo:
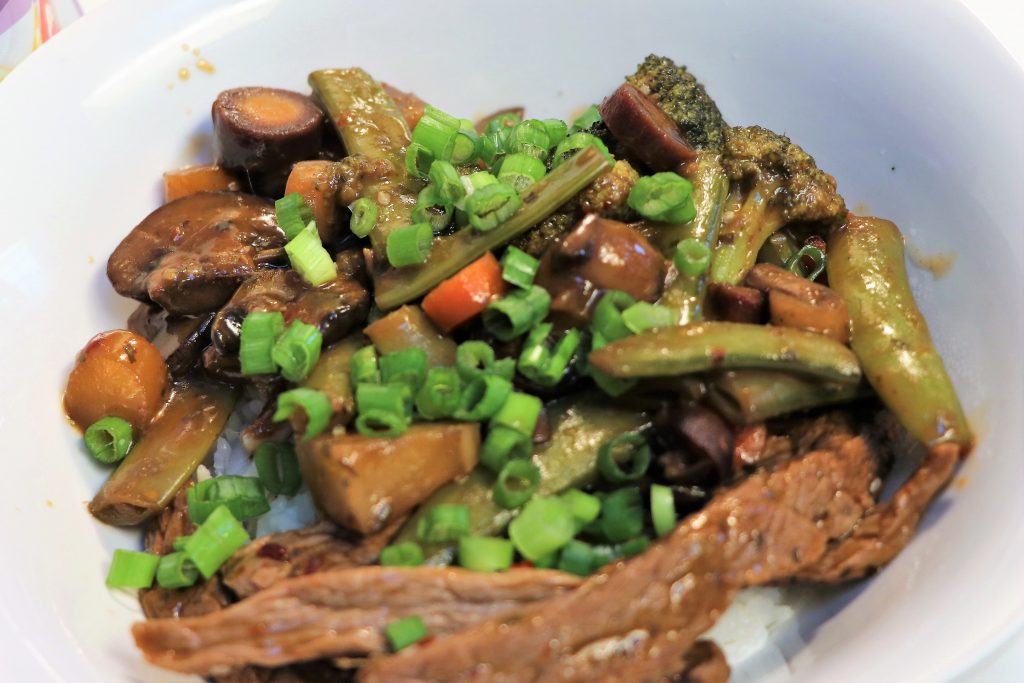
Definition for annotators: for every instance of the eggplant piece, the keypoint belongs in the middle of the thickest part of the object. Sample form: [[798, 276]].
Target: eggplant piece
[[363, 482], [191, 254], [261, 132], [599, 255], [179, 340], [166, 456], [645, 131], [332, 376], [407, 328]]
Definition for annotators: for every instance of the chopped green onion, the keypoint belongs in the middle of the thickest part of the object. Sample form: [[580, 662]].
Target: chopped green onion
[[520, 412], [482, 398], [388, 398], [490, 206], [556, 130], [477, 180], [485, 554], [432, 209], [530, 137], [513, 315], [633, 546], [518, 480], [314, 403], [502, 445], [546, 562], [408, 554], [176, 570], [364, 216], [447, 181], [179, 542], [439, 395], [505, 120], [132, 569], [293, 214], [585, 507], [298, 350], [214, 541], [260, 330], [309, 258], [643, 316], [437, 132], [622, 515], [663, 509], [543, 526], [443, 523], [409, 246], [465, 145], [577, 558], [405, 632], [569, 147], [363, 366], [381, 424], [408, 366], [637, 452], [543, 365], [586, 120], [797, 266], [692, 257], [418, 160], [607, 320], [520, 171], [243, 497], [664, 197], [518, 268], [109, 439], [278, 468], [487, 149], [474, 359]]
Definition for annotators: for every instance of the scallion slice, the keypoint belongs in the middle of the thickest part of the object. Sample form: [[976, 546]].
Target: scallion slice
[[585, 507], [381, 424], [314, 403], [556, 130], [520, 412], [215, 540], [432, 209], [530, 137], [132, 569], [798, 266], [387, 398], [622, 515], [293, 214], [109, 439], [543, 526], [513, 315], [569, 147], [518, 268], [278, 468], [490, 206], [409, 246], [577, 558], [243, 497], [637, 453], [309, 258], [446, 181], [692, 257], [664, 197], [436, 131], [176, 570], [482, 397], [502, 445], [586, 120], [643, 316], [418, 160], [474, 359], [364, 216], [363, 366], [607, 320], [520, 171], [408, 367], [405, 632], [663, 509], [408, 554], [438, 397], [517, 481], [503, 121], [297, 350], [485, 554], [443, 523], [260, 330]]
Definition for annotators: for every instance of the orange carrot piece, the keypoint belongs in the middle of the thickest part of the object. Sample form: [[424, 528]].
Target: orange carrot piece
[[194, 179], [465, 294]]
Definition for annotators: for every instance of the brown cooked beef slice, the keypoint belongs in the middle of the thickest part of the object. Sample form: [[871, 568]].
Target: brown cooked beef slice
[[338, 613], [316, 548], [172, 603], [704, 663], [171, 524], [759, 531]]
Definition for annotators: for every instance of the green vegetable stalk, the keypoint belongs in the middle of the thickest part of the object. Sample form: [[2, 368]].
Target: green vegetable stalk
[[749, 396], [889, 334]]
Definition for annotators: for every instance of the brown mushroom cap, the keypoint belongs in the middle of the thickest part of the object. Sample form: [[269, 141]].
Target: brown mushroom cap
[[191, 254]]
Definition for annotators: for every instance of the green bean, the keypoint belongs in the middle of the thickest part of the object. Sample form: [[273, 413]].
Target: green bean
[[395, 286], [372, 127], [579, 427], [889, 334], [722, 345], [170, 450], [685, 294], [749, 396]]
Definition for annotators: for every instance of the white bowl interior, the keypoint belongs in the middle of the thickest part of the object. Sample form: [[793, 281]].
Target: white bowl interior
[[912, 106]]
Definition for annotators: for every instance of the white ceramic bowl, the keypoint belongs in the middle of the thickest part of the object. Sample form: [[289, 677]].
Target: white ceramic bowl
[[913, 106]]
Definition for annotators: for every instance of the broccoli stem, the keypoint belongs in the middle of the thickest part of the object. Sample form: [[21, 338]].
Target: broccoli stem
[[744, 234]]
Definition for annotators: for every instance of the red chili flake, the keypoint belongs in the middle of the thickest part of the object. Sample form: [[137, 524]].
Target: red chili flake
[[523, 564], [273, 551], [717, 356]]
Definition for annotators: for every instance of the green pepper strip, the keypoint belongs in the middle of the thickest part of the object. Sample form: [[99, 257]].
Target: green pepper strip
[[889, 334], [394, 286], [722, 346], [372, 127], [749, 396], [685, 294], [170, 450], [568, 460]]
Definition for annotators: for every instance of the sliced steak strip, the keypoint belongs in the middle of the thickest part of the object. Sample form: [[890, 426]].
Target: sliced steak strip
[[317, 548], [340, 612]]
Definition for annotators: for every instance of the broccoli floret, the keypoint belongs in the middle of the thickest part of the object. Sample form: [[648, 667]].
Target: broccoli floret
[[607, 195], [535, 240], [683, 98], [756, 158]]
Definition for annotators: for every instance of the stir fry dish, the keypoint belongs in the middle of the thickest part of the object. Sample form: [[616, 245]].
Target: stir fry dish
[[409, 397]]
